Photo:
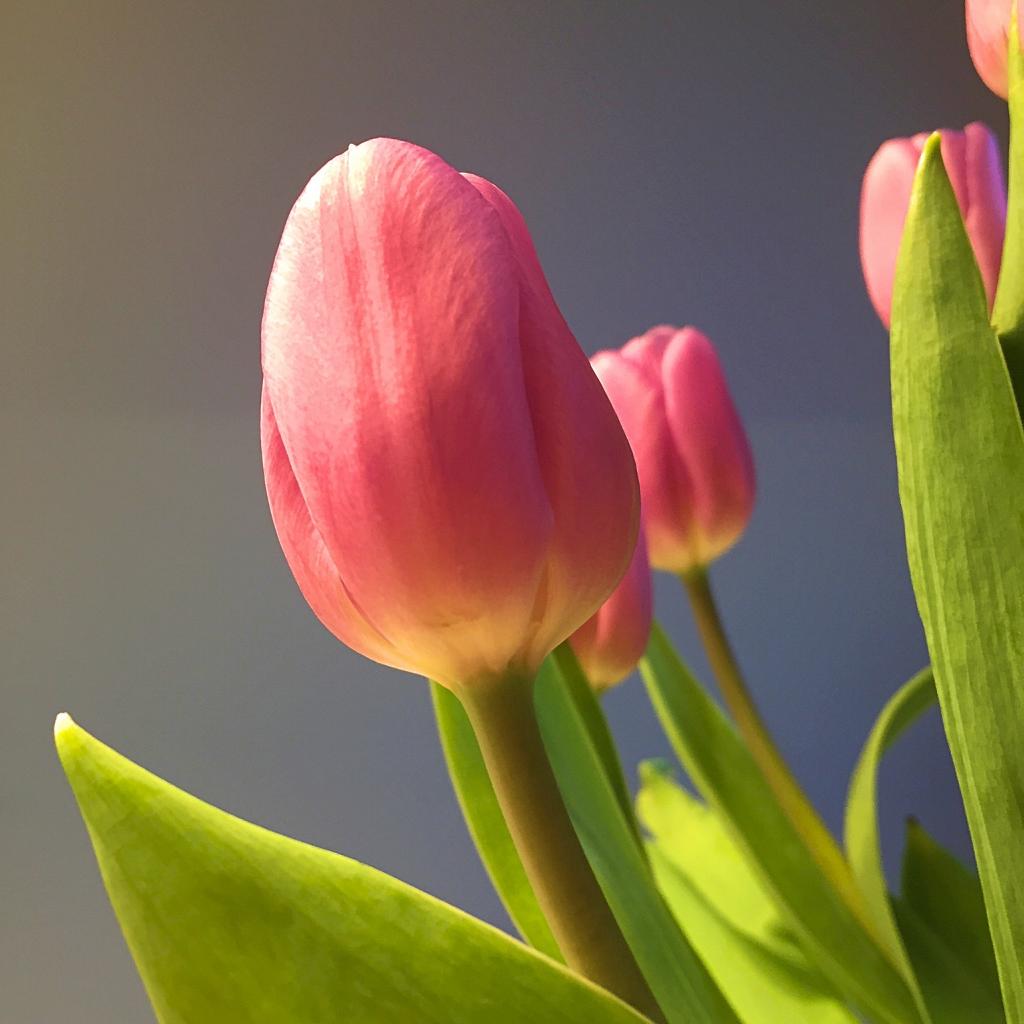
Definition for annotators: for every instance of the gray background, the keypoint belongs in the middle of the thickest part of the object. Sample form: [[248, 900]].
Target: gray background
[[683, 161]]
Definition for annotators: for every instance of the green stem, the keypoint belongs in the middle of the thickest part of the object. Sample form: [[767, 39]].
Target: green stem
[[501, 712], [792, 799]]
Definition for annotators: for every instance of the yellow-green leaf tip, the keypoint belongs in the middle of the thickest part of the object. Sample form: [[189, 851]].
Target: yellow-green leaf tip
[[66, 735]]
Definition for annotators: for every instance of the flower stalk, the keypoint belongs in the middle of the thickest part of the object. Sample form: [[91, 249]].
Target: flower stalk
[[792, 799], [502, 715]]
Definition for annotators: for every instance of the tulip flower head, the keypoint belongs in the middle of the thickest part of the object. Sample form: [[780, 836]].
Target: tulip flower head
[[451, 488], [611, 642], [988, 34], [975, 171], [693, 458]]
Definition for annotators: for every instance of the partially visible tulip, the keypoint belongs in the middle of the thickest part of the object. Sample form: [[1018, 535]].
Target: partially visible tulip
[[693, 458], [449, 483], [611, 642], [975, 171], [988, 34]]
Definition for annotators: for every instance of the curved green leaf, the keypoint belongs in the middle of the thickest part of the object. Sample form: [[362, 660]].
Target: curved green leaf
[[960, 458], [724, 772], [954, 993], [726, 913], [863, 844], [945, 898], [1008, 313], [679, 980], [486, 823], [593, 718], [231, 924]]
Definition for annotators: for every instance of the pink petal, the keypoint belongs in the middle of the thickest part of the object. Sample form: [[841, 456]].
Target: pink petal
[[666, 489], [988, 26], [307, 555], [614, 639], [711, 441], [885, 199], [392, 361], [584, 457]]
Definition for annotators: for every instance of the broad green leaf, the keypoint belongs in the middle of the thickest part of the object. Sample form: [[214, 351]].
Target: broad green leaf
[[765, 988], [960, 457], [946, 898], [955, 995], [724, 772], [486, 823], [231, 924], [689, 834], [863, 844], [677, 977], [726, 913], [1008, 313]]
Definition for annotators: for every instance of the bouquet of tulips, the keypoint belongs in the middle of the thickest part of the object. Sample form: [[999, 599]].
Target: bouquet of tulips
[[462, 495]]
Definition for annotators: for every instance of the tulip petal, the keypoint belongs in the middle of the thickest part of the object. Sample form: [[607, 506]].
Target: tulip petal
[[711, 441], [584, 457], [665, 486], [988, 23], [391, 358], [885, 198], [985, 218], [611, 642], [307, 555]]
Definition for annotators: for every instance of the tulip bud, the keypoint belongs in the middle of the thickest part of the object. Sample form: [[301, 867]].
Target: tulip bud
[[611, 642], [449, 483], [988, 34], [692, 454], [975, 171]]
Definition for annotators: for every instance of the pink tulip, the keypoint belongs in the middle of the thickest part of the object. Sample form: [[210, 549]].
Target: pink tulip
[[611, 642], [975, 170], [988, 34], [692, 455], [450, 485]]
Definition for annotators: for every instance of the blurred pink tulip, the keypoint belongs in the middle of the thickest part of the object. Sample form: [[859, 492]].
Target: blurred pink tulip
[[450, 485], [611, 642], [988, 34], [975, 171], [692, 454]]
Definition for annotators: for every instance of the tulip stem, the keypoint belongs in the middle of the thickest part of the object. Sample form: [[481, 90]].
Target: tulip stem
[[792, 799], [502, 715]]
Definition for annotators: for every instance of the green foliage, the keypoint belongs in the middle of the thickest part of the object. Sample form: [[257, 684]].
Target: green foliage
[[960, 455], [486, 823], [679, 980], [724, 772], [947, 897], [941, 914], [727, 914], [232, 924], [863, 843], [1008, 314]]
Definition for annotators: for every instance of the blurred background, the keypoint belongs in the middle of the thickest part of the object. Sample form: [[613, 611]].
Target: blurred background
[[691, 162]]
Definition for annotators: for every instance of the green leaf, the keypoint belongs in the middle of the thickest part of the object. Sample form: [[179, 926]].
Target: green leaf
[[232, 924], [689, 834], [680, 982], [486, 822], [596, 724], [960, 456], [946, 898], [863, 844], [1008, 312], [724, 772], [726, 913], [955, 995]]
